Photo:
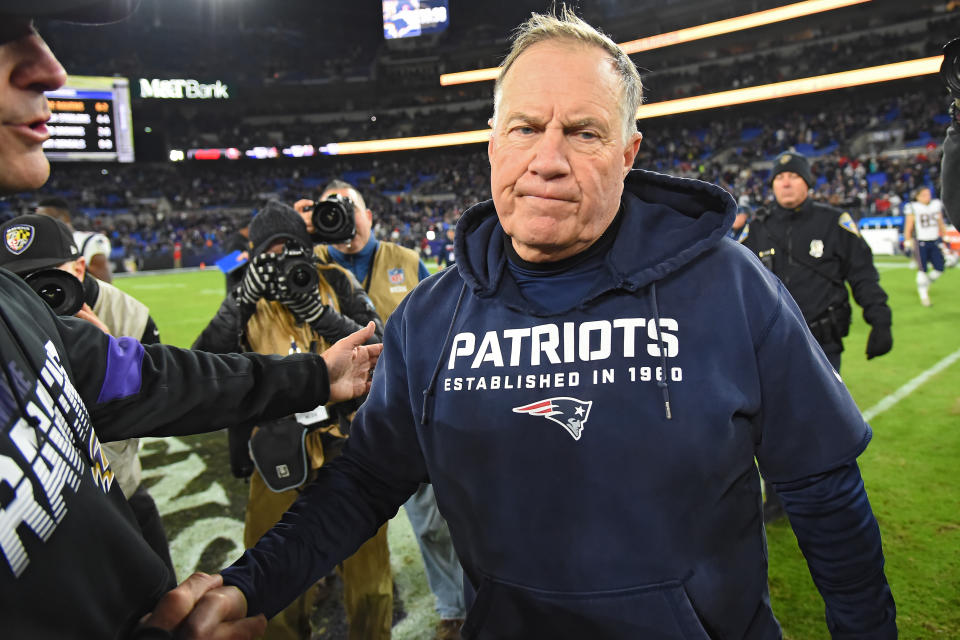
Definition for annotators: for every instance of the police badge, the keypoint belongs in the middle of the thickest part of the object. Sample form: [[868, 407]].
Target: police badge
[[816, 248]]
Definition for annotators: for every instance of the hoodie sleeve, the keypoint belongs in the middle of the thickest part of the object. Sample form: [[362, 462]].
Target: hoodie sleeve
[[808, 423], [840, 538], [382, 465], [134, 390]]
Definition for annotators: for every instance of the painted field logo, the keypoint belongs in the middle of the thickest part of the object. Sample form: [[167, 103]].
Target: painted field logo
[[396, 275], [18, 238], [569, 413]]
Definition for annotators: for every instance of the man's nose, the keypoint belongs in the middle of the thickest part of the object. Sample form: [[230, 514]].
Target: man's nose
[[36, 67], [550, 158]]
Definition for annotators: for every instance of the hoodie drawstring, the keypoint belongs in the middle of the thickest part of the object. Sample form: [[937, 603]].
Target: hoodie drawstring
[[429, 391], [662, 380]]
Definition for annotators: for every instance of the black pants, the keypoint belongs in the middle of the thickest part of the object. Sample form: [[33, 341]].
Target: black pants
[[145, 510]]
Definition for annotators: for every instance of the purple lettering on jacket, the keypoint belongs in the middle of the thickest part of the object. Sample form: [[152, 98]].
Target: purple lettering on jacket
[[123, 377]]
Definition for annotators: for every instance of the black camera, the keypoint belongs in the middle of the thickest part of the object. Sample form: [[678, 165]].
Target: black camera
[[950, 68], [62, 291], [333, 220], [298, 269]]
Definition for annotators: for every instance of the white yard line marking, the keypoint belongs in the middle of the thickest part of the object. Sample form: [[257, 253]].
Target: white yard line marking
[[910, 387]]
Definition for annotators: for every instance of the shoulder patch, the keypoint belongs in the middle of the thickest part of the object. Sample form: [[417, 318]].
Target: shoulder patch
[[744, 233], [846, 222]]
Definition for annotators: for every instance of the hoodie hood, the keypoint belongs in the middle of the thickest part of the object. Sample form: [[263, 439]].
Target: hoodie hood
[[675, 219]]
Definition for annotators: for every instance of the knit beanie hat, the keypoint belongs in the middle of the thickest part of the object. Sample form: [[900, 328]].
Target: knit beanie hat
[[795, 162], [278, 221]]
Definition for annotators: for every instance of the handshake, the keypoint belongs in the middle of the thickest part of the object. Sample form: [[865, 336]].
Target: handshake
[[289, 277]]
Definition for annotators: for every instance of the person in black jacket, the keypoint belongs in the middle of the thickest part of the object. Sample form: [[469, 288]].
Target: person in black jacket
[[816, 251], [950, 162], [72, 562], [285, 318]]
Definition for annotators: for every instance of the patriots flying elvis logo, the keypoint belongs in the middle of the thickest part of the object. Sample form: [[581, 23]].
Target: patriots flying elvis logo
[[569, 413]]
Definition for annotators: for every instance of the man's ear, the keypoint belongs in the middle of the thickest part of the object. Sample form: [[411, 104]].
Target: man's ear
[[80, 268], [630, 152]]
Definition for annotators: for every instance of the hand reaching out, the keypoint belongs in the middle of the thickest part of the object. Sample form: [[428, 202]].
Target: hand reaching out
[[349, 363]]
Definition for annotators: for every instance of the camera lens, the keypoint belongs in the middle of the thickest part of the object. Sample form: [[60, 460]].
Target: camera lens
[[300, 277], [333, 220], [53, 294], [60, 290]]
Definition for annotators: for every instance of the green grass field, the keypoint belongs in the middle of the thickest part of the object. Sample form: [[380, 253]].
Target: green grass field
[[911, 397]]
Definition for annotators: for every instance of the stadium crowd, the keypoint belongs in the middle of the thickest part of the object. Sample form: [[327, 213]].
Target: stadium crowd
[[150, 211]]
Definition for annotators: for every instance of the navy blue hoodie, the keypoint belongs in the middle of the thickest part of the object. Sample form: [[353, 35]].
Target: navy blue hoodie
[[596, 466]]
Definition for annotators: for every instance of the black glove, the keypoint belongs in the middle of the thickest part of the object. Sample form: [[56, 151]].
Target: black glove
[[880, 341], [259, 281]]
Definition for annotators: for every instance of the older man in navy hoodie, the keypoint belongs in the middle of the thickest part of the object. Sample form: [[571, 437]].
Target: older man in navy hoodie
[[590, 441]]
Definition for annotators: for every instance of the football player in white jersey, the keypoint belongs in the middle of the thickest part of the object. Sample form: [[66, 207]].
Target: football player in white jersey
[[925, 223]]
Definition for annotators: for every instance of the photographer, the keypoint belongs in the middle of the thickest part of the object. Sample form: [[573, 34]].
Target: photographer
[[388, 272], [94, 247], [950, 163], [289, 302], [40, 246]]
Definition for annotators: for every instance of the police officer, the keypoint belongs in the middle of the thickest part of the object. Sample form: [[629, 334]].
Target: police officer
[[815, 249]]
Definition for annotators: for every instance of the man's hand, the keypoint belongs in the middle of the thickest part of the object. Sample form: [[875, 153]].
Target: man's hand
[[86, 313], [349, 363], [880, 341], [259, 281], [201, 607]]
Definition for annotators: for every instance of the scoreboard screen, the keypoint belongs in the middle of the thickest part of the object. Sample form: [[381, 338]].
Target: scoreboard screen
[[90, 120], [411, 18]]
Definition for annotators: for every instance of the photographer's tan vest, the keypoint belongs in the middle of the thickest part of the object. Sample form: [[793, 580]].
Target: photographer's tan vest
[[272, 329], [394, 273]]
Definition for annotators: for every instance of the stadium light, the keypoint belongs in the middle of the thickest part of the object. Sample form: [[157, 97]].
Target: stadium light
[[403, 144], [730, 25], [816, 84]]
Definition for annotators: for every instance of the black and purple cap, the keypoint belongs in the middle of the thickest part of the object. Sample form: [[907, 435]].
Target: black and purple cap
[[80, 11]]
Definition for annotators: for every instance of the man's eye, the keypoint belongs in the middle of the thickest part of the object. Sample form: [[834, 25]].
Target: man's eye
[[586, 135], [523, 130]]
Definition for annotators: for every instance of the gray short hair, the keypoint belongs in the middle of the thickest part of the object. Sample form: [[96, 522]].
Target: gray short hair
[[566, 25]]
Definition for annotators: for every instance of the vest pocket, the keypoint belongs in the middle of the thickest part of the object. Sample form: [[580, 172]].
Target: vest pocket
[[660, 611]]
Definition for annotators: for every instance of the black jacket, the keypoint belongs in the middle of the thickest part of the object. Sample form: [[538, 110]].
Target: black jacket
[[75, 564], [950, 174], [814, 249]]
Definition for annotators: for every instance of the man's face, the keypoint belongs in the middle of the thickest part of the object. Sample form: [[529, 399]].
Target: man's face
[[27, 69], [362, 216], [557, 153], [789, 189], [924, 196]]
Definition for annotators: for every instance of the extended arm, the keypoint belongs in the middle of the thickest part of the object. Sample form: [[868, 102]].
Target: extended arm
[[352, 497], [840, 538]]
